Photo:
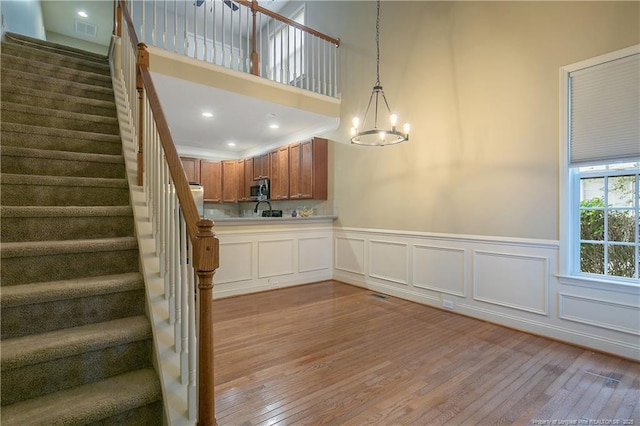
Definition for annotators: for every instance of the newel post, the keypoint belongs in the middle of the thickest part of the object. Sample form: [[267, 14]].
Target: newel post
[[142, 60], [206, 261]]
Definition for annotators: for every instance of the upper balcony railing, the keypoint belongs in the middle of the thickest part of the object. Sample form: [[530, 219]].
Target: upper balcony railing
[[243, 36]]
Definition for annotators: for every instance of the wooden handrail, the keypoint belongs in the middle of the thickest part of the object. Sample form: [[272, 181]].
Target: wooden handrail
[[254, 6], [205, 244]]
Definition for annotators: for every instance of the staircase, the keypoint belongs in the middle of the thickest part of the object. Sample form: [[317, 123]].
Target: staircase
[[76, 344]]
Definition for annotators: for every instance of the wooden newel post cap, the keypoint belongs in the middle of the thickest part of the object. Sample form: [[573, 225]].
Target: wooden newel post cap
[[206, 255]]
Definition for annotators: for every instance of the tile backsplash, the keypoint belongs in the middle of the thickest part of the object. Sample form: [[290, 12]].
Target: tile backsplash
[[318, 207]]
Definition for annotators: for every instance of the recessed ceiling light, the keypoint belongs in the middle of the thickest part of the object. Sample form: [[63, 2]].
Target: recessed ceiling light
[[83, 14], [207, 114], [231, 144], [274, 126]]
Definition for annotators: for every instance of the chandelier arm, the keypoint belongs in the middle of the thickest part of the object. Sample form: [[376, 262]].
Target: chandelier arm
[[366, 114]]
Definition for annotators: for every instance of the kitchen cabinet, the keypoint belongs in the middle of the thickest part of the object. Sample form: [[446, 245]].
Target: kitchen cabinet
[[279, 163], [211, 180], [244, 173], [308, 170], [261, 166], [192, 169], [229, 181]]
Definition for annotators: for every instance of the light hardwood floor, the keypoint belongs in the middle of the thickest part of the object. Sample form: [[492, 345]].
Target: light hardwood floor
[[330, 353]]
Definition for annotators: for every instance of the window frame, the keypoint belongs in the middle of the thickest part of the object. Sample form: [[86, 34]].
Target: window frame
[[569, 193]]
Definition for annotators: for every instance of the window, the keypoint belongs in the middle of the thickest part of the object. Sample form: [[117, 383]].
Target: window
[[286, 51], [600, 169]]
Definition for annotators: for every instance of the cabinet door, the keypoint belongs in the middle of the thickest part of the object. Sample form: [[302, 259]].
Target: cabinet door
[[261, 166], [248, 178], [192, 169], [280, 173], [240, 180], [211, 174], [229, 181], [306, 174], [295, 157]]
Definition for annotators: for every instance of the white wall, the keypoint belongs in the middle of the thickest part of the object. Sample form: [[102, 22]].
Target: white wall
[[23, 17]]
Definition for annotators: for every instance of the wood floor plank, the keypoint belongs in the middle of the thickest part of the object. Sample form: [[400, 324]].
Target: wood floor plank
[[329, 353]]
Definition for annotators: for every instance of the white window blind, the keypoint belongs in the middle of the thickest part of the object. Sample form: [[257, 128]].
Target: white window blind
[[605, 112]]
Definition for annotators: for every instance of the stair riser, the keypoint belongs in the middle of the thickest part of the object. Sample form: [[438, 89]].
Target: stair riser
[[66, 103], [54, 167], [150, 414], [44, 55], [58, 143], [54, 267], [60, 86], [47, 377], [107, 125], [47, 316], [34, 195], [14, 229], [26, 66]]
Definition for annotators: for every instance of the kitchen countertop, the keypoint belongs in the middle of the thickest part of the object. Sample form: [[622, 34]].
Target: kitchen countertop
[[256, 220]]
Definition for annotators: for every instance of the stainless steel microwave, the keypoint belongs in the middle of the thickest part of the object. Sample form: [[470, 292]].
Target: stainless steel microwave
[[260, 190]]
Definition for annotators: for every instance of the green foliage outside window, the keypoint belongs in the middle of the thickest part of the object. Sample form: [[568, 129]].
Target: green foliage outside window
[[621, 227]]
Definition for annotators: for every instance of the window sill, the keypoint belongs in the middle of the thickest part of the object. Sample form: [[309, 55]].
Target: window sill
[[626, 286]]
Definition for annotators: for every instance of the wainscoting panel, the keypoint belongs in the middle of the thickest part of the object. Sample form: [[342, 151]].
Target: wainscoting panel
[[388, 260], [515, 281], [314, 254], [441, 269], [275, 257], [234, 258], [612, 315], [349, 255]]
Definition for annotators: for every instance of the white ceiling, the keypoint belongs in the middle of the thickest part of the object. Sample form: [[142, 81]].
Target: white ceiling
[[237, 118]]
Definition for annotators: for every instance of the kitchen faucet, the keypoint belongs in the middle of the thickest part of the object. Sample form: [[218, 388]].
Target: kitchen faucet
[[263, 201]]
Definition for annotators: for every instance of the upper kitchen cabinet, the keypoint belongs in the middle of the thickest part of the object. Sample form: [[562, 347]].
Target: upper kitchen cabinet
[[279, 162], [192, 169], [308, 170], [211, 173], [229, 181], [244, 173], [261, 166]]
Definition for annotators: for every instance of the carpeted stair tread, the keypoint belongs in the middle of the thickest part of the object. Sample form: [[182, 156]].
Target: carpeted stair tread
[[43, 248], [26, 114], [34, 136], [17, 179], [23, 64], [28, 294], [38, 348], [41, 82], [64, 211], [19, 160], [53, 53], [87, 403], [60, 101], [35, 43], [40, 223]]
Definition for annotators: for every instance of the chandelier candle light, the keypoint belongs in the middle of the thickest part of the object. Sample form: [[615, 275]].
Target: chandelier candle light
[[376, 136]]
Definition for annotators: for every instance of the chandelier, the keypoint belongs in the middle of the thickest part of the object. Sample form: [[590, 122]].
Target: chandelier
[[376, 136]]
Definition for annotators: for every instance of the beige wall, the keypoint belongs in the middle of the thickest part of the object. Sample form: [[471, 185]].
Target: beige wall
[[479, 82]]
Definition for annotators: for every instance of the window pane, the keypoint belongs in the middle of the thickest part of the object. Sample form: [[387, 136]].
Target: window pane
[[622, 191], [622, 226], [592, 225], [591, 188], [592, 258], [621, 261]]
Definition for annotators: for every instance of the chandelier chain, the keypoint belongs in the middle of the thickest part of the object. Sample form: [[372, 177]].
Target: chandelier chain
[[378, 45]]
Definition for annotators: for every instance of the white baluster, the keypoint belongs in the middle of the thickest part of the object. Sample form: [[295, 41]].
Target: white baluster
[[175, 25], [186, 36], [192, 399], [154, 36], [175, 267], [186, 308]]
